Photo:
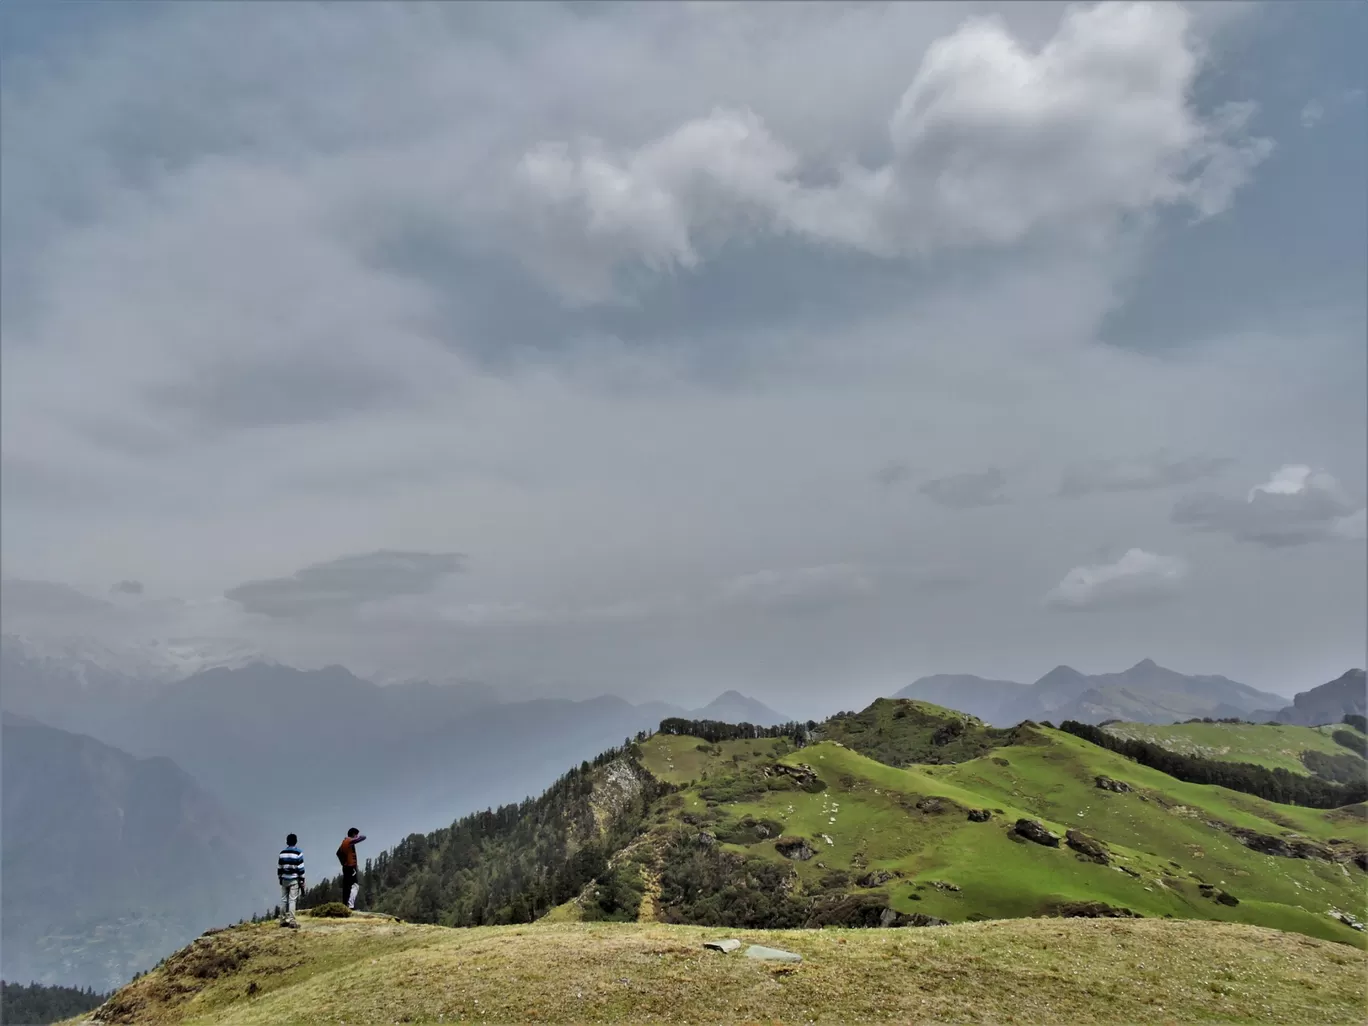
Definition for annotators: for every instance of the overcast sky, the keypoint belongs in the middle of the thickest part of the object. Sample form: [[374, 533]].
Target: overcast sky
[[659, 349]]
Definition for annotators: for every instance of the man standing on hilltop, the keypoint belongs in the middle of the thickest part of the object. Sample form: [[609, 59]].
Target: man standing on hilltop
[[290, 873], [346, 854]]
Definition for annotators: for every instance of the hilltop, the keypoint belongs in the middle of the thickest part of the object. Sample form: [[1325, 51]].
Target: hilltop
[[368, 969]]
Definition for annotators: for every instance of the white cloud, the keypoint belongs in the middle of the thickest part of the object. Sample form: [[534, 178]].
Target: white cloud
[[1138, 576], [1312, 113], [992, 142]]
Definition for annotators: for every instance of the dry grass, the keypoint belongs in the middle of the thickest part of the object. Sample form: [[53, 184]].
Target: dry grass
[[1016, 971]]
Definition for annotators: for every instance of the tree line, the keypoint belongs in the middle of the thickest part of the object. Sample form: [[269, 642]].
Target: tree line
[[1275, 785], [35, 1003], [715, 731]]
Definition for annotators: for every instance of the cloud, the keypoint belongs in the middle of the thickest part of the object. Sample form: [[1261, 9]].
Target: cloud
[[1312, 113], [892, 474], [24, 598], [1137, 577], [966, 491], [344, 584], [992, 143], [801, 589], [127, 588], [1156, 471], [1297, 505]]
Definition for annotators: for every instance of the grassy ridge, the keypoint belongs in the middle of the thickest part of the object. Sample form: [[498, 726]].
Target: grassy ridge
[[1030, 971], [1277, 746]]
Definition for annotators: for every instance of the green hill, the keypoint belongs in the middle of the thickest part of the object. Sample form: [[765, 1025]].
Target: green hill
[[757, 832], [1277, 746], [369, 970]]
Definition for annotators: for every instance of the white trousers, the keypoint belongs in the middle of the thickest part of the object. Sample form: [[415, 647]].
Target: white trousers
[[289, 894]]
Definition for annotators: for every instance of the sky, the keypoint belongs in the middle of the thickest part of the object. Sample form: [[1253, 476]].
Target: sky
[[659, 349]]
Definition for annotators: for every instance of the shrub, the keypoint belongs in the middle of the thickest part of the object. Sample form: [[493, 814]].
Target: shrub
[[331, 910]]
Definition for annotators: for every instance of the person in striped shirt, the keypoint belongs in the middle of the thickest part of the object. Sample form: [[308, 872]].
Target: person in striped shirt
[[290, 872]]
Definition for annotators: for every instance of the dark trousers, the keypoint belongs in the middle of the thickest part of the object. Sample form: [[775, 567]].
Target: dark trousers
[[349, 881]]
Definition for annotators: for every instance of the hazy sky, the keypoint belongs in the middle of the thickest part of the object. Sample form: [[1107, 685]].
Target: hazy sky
[[660, 348]]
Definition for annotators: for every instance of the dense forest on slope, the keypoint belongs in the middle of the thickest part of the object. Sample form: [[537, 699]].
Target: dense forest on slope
[[514, 863], [35, 1004], [1275, 785]]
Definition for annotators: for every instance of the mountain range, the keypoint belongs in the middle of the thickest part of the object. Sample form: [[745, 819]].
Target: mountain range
[[1145, 693], [1329, 703], [109, 861]]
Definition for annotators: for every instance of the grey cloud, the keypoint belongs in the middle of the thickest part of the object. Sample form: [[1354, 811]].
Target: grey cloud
[[127, 588], [891, 474], [1296, 506], [345, 583], [21, 597], [1119, 475], [802, 589], [278, 390], [967, 491]]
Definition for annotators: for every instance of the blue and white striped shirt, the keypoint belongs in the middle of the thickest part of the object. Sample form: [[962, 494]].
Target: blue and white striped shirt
[[291, 865]]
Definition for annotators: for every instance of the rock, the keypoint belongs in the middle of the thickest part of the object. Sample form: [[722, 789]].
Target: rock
[[1108, 784], [725, 946], [1287, 848], [979, 815], [1346, 919], [1128, 871], [1094, 910], [874, 878], [1226, 898], [941, 885], [771, 954], [932, 806], [1034, 830], [1088, 847], [794, 848], [1361, 860], [706, 839], [920, 919]]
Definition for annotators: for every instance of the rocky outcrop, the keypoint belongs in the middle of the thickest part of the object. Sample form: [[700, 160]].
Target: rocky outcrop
[[795, 848], [1094, 910], [802, 775], [874, 878], [1283, 847], [1034, 830], [1216, 894], [1088, 847], [1108, 784], [889, 918], [979, 815], [934, 806]]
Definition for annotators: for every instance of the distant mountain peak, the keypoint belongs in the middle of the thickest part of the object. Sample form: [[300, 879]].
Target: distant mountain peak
[[1146, 664], [734, 707]]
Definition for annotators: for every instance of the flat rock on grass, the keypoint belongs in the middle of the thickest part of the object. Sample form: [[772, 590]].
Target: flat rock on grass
[[725, 946], [772, 954]]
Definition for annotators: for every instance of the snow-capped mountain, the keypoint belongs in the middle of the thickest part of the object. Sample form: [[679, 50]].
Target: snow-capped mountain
[[92, 662]]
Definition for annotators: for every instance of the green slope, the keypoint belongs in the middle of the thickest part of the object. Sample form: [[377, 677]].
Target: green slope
[[1277, 746], [1032, 971], [868, 818], [758, 832]]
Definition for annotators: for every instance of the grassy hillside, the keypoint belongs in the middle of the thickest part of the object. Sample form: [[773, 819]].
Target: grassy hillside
[[762, 833], [1035, 971], [1173, 846], [1277, 746]]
